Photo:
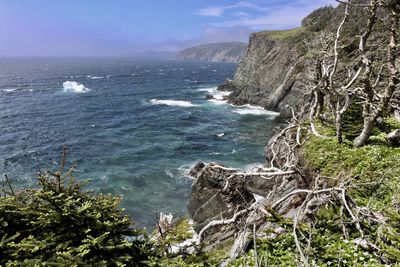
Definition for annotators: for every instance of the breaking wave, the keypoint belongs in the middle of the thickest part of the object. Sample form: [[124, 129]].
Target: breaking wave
[[177, 103], [9, 90], [254, 110], [94, 77], [218, 96], [74, 87]]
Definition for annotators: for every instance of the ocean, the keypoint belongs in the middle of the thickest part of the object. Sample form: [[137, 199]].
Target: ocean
[[134, 127]]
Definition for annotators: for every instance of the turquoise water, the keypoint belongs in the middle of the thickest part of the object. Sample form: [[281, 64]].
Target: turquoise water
[[133, 127]]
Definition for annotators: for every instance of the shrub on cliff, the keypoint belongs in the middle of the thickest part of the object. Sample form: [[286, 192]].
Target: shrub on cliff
[[319, 19], [60, 223]]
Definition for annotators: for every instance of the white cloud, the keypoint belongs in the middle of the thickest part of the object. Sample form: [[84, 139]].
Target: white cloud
[[272, 15], [211, 11], [218, 11]]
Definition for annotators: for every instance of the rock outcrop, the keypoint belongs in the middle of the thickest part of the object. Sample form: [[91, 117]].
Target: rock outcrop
[[216, 52], [226, 203], [273, 73]]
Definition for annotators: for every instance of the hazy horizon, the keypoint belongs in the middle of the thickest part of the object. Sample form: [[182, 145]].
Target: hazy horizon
[[45, 28]]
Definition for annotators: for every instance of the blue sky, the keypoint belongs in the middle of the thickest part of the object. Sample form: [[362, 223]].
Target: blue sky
[[126, 27]]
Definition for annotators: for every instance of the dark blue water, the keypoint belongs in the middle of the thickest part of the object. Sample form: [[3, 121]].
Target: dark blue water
[[133, 127]]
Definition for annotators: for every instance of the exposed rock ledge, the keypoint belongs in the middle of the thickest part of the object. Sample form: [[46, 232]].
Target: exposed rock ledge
[[229, 204]]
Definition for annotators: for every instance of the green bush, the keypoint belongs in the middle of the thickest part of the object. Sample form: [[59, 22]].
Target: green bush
[[60, 224]]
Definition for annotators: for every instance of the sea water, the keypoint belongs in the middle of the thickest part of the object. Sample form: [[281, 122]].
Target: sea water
[[133, 127]]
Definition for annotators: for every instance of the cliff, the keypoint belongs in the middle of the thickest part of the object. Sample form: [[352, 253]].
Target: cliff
[[216, 52], [276, 68], [273, 73]]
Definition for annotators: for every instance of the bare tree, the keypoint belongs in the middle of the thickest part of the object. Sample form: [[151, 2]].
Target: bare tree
[[371, 78], [376, 101]]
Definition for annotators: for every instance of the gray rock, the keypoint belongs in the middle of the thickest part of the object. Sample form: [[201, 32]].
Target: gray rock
[[273, 74], [394, 138], [209, 201]]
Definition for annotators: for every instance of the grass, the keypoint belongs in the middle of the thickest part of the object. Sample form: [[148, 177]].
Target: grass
[[376, 164], [283, 34]]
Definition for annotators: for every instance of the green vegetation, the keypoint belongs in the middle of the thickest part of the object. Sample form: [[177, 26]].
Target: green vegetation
[[319, 19], [328, 246], [60, 224], [285, 34], [374, 173]]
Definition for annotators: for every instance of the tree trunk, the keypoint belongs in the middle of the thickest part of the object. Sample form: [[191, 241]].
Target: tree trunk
[[338, 124], [320, 103], [366, 132]]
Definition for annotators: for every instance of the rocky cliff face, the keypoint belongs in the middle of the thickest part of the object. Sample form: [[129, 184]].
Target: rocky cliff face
[[217, 52], [273, 73]]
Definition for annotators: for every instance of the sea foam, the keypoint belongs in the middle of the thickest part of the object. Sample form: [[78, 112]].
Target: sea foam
[[74, 87], [178, 103], [94, 77], [219, 96], [254, 110], [9, 90]]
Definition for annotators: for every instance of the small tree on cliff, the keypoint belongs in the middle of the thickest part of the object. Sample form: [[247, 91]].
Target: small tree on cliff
[[368, 73], [60, 224]]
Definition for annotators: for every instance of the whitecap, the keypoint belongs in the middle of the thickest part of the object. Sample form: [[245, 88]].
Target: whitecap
[[72, 86], [254, 110], [9, 90], [94, 77], [178, 103]]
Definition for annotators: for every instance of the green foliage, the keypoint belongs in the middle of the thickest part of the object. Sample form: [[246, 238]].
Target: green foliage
[[392, 236], [60, 224], [283, 34], [180, 232], [319, 19], [352, 123], [375, 171], [328, 246], [199, 259], [376, 165]]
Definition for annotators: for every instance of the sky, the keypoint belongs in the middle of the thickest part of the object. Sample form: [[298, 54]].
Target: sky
[[129, 27]]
